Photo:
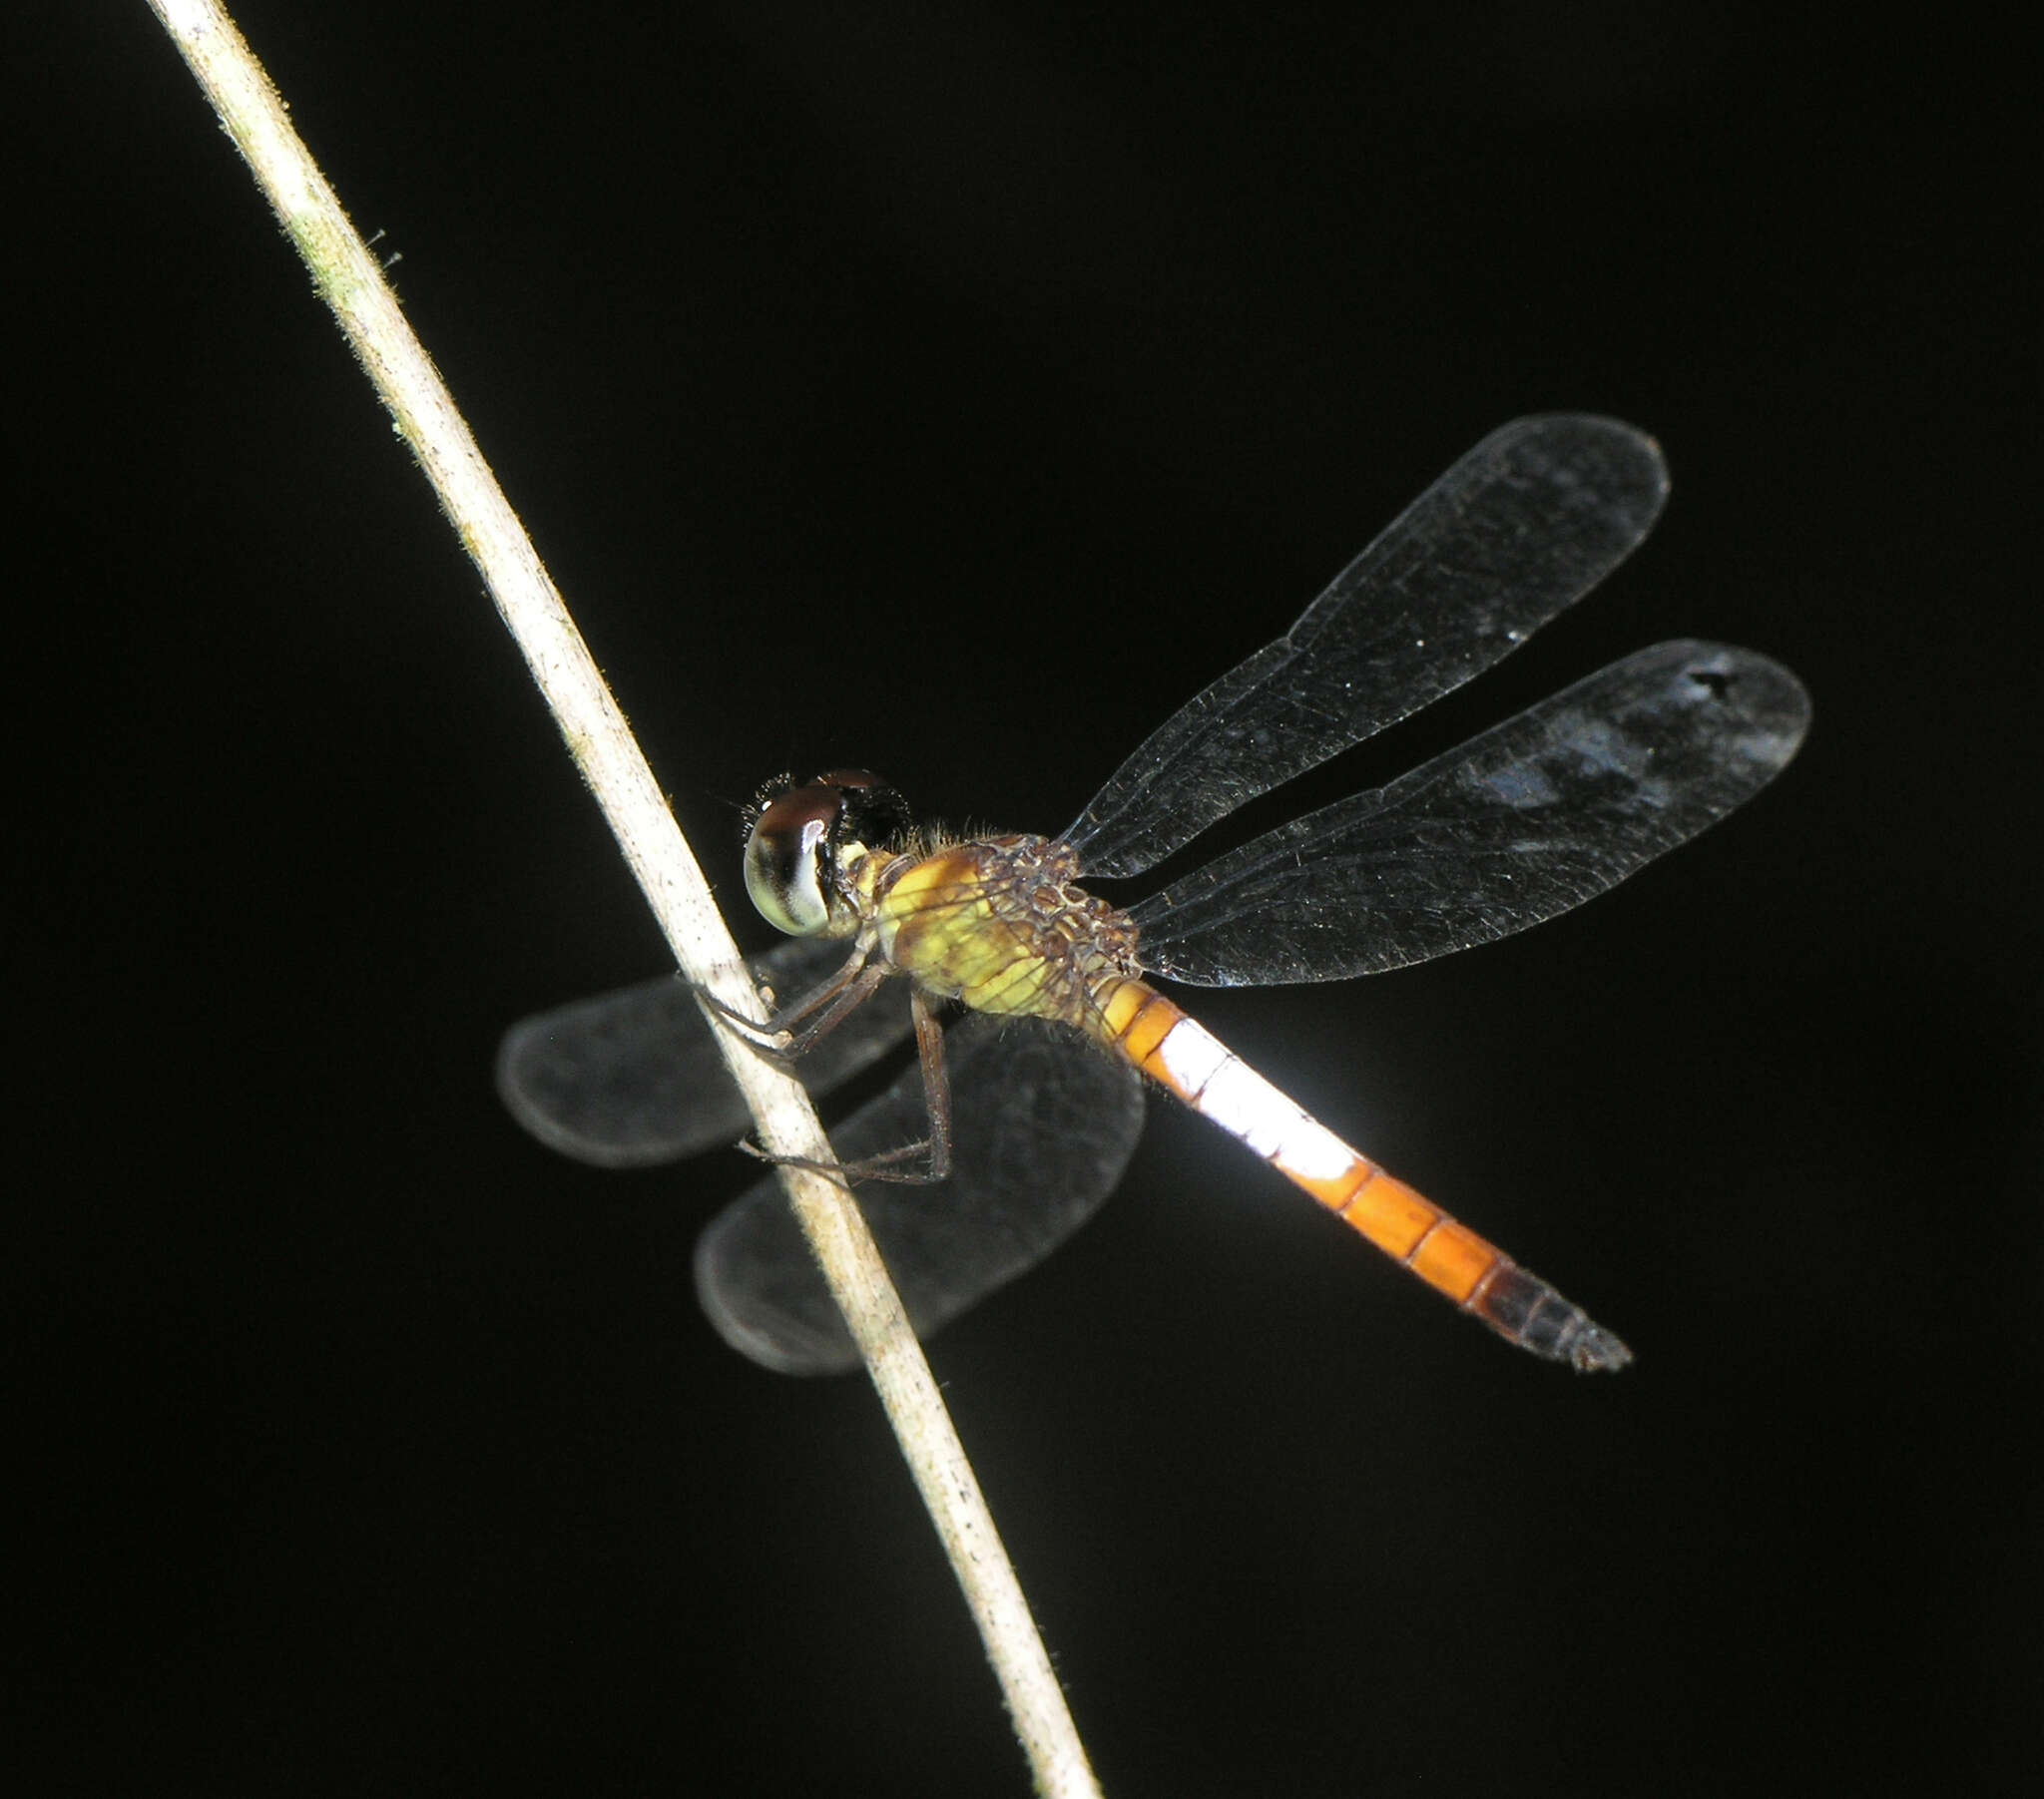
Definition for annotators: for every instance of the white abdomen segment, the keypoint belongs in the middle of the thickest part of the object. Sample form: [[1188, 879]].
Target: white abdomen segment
[[1180, 1054]]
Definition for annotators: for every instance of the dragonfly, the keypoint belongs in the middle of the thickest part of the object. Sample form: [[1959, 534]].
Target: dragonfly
[[1012, 1126]]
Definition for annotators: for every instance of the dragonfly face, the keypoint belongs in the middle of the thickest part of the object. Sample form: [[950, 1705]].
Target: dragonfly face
[[802, 838], [1522, 823]]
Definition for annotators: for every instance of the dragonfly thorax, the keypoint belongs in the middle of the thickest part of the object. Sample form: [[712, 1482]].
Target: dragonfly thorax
[[1002, 924]]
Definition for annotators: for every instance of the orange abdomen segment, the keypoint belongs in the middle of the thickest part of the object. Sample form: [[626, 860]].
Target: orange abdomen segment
[[1181, 1055]]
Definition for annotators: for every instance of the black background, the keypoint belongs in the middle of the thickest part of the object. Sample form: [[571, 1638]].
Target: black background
[[953, 390]]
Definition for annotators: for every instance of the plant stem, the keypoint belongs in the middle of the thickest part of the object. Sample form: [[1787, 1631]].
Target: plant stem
[[351, 282]]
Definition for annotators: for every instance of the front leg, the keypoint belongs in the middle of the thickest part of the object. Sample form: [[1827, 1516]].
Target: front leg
[[835, 998]]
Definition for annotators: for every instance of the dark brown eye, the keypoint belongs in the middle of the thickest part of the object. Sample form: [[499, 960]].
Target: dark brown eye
[[786, 859], [798, 833]]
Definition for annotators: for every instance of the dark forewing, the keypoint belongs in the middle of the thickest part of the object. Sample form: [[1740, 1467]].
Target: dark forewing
[[1513, 827], [1521, 526], [1043, 1124], [633, 1078]]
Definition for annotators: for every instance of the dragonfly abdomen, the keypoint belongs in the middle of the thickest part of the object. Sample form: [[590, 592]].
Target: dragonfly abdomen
[[1185, 1056]]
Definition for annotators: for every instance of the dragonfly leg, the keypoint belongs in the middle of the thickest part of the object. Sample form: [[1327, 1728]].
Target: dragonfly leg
[[883, 1167], [764, 1038], [933, 1151], [835, 999], [937, 1088], [833, 1004]]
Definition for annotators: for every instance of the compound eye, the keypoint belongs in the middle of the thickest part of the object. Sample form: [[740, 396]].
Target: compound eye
[[786, 857]]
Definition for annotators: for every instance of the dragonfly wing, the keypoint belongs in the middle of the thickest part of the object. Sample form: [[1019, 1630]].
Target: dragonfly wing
[[1044, 1123], [1521, 526], [633, 1078], [1515, 826]]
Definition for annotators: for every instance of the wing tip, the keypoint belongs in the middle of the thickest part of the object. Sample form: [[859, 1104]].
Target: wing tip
[[1625, 461], [1765, 696]]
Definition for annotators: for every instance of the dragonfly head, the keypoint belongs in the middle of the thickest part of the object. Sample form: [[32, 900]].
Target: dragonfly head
[[803, 839]]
